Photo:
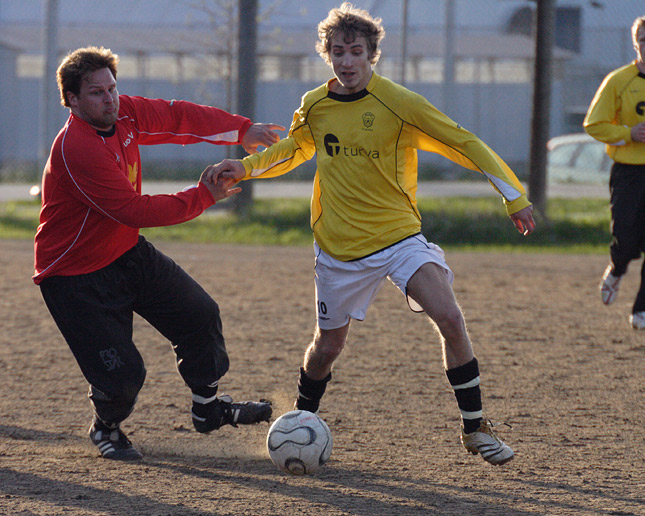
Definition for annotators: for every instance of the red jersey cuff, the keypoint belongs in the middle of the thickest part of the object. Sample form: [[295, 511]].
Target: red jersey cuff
[[244, 128]]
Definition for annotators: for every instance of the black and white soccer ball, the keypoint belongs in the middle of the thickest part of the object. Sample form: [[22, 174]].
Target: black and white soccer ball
[[299, 442]]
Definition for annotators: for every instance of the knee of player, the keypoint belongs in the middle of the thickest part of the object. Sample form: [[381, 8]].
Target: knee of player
[[330, 348], [450, 320]]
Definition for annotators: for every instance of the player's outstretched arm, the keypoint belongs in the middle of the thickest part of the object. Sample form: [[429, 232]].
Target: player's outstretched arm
[[524, 221], [221, 188], [260, 135]]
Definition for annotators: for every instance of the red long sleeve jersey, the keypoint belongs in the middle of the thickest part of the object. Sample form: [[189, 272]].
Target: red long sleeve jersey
[[92, 207]]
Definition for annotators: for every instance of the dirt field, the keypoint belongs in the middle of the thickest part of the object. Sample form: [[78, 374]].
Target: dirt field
[[566, 372]]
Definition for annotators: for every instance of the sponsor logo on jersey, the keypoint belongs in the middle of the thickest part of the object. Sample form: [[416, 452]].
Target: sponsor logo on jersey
[[129, 139], [332, 145], [640, 108], [335, 148]]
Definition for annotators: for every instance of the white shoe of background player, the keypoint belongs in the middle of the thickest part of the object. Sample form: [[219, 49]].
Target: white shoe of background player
[[609, 286], [637, 320]]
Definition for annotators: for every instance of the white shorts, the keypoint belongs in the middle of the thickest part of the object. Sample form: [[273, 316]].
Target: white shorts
[[345, 290]]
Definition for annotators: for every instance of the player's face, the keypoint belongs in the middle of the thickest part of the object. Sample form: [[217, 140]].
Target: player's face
[[640, 44], [351, 64], [98, 101]]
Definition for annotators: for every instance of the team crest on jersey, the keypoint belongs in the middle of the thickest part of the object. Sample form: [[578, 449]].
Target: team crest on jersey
[[132, 174], [368, 119]]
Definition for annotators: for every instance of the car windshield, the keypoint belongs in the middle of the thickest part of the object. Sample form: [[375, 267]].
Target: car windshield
[[590, 156], [562, 154]]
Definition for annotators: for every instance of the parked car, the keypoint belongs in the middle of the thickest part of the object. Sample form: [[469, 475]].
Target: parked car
[[577, 158]]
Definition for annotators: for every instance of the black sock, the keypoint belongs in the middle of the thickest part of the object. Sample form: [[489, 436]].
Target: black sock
[[465, 382], [105, 427], [203, 397], [310, 391]]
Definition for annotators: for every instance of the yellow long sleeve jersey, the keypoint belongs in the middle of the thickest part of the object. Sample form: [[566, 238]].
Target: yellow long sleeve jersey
[[619, 104], [364, 193]]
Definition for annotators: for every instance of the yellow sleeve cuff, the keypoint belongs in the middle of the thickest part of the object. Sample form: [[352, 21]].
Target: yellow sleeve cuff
[[517, 205], [248, 167]]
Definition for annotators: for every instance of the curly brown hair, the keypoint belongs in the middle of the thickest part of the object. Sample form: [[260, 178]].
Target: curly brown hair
[[638, 23], [351, 22], [78, 65]]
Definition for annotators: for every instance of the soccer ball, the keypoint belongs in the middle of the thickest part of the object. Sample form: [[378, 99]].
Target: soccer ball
[[299, 442]]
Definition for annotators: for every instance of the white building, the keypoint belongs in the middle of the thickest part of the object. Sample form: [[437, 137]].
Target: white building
[[480, 72]]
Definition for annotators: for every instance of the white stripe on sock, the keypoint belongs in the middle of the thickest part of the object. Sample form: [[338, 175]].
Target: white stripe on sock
[[200, 399], [197, 418], [472, 383], [302, 395]]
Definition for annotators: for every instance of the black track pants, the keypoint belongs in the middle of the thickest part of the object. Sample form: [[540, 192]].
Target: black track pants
[[94, 312], [627, 188]]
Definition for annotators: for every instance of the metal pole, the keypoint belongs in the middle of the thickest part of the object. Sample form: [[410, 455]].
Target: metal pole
[[50, 103], [246, 83], [404, 41], [545, 22], [449, 51]]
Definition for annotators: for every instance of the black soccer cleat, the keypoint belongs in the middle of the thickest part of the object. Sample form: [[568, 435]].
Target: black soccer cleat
[[113, 443], [223, 411]]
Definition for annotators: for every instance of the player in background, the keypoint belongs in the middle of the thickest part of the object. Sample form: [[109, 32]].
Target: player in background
[[616, 117], [365, 131], [95, 270]]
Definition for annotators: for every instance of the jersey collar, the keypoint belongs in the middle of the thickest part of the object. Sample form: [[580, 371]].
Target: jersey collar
[[350, 97], [107, 134]]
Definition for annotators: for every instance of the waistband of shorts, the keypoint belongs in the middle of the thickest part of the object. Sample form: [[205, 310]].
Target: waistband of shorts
[[386, 247]]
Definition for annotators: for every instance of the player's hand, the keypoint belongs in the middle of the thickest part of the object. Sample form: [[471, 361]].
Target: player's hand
[[227, 169], [222, 187], [524, 221], [638, 132], [260, 135]]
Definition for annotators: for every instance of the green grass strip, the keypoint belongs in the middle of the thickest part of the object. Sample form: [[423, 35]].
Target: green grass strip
[[573, 225]]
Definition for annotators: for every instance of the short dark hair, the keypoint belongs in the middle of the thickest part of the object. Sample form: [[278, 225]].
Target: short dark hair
[[350, 22], [78, 65]]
